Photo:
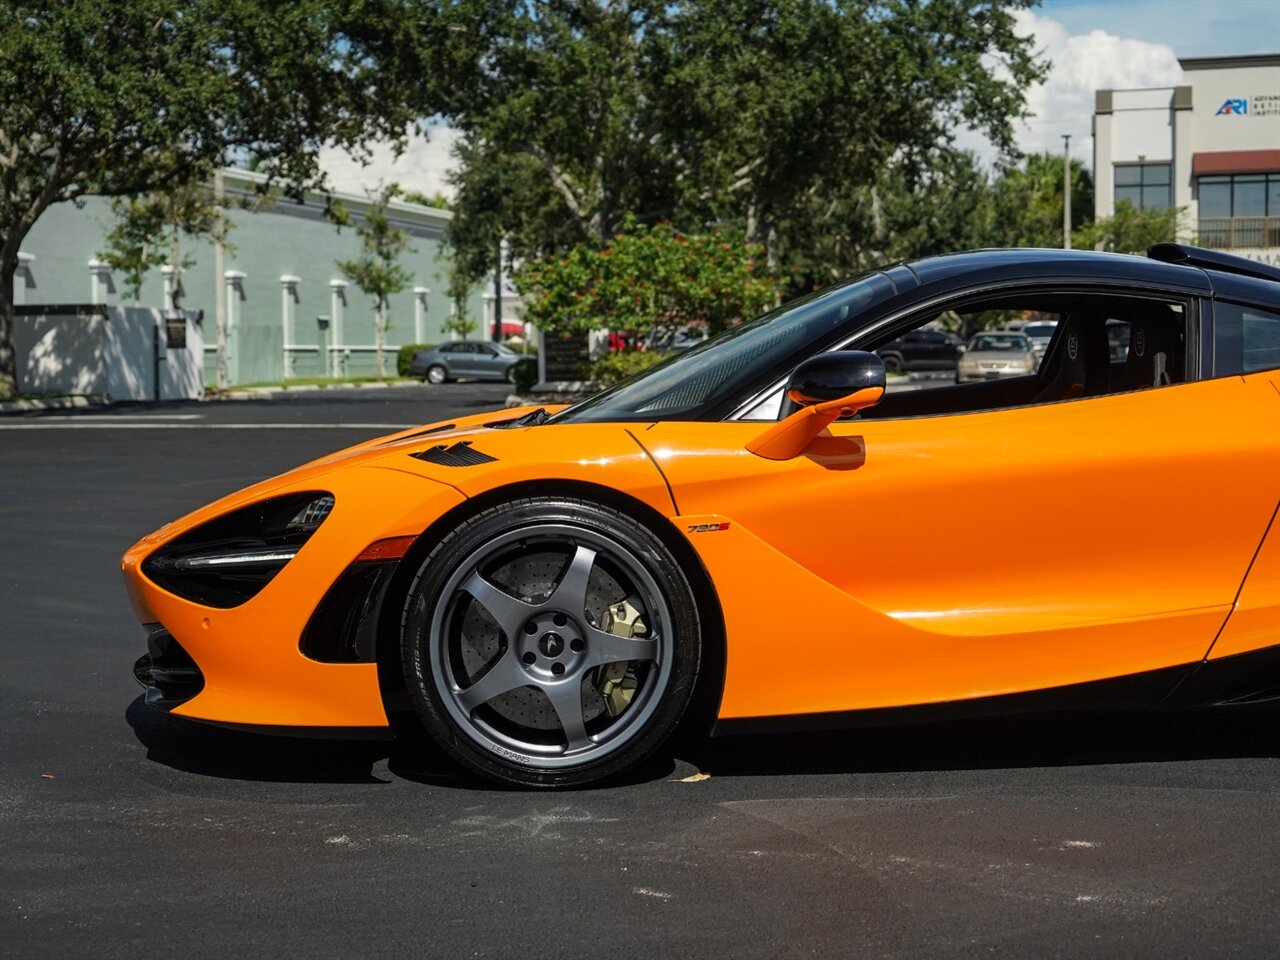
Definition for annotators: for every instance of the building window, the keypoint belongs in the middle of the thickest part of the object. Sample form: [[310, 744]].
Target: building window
[[1145, 185], [1240, 195], [1239, 210]]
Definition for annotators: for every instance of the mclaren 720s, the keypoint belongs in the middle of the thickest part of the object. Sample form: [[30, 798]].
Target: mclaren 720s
[[766, 530]]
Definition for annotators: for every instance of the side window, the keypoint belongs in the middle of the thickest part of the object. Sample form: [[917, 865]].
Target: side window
[[1021, 350], [449, 348], [1245, 339]]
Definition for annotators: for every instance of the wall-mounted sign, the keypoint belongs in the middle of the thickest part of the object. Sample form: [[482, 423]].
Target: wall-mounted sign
[[1233, 107]]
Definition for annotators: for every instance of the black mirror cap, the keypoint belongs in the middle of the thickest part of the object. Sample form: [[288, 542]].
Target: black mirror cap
[[833, 376]]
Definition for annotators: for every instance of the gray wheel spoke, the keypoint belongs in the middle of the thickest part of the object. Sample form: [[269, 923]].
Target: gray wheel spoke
[[510, 612], [570, 593], [566, 699], [607, 648], [504, 675]]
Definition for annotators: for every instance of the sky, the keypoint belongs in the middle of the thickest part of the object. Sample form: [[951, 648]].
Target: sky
[[1093, 44]]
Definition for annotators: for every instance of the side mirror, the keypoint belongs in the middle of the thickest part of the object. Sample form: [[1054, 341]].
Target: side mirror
[[828, 386]]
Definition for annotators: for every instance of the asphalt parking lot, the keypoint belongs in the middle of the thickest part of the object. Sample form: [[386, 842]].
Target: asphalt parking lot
[[128, 833]]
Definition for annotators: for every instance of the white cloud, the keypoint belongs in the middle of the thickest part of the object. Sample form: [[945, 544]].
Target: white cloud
[[423, 166], [1079, 65]]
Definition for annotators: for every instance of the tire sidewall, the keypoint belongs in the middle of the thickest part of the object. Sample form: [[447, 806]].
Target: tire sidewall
[[425, 594]]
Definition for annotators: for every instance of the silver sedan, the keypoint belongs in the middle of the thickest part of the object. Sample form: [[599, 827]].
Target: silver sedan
[[475, 359]]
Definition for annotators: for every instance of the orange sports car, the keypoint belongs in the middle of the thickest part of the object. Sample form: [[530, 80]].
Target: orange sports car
[[766, 530]]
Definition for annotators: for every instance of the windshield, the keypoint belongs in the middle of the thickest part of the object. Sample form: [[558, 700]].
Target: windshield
[[1039, 331], [992, 342], [709, 380]]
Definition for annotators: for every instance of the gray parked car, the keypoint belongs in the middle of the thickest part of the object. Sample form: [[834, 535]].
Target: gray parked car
[[464, 358]]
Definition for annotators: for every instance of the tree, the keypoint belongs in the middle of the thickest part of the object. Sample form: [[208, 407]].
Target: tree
[[437, 200], [126, 97], [648, 280], [377, 271], [753, 114], [148, 230], [1130, 230], [1028, 202]]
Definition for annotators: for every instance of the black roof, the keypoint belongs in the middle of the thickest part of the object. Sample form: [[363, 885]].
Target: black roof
[[1166, 264]]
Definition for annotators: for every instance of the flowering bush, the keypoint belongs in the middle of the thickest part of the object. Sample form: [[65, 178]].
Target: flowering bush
[[647, 280]]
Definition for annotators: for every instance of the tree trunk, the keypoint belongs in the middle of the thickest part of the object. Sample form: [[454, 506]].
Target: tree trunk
[[380, 337], [8, 358]]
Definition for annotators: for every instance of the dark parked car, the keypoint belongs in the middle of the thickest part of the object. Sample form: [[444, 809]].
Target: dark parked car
[[921, 350], [464, 358]]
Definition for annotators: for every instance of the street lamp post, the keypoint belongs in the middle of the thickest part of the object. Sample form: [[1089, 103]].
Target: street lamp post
[[1066, 191]]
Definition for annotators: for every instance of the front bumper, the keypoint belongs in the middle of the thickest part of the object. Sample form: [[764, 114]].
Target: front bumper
[[248, 657]]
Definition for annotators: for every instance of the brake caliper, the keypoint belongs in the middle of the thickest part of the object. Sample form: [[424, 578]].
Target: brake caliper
[[617, 680]]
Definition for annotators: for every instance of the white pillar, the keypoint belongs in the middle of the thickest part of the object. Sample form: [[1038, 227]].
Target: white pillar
[[23, 278], [490, 311], [288, 312], [99, 281], [173, 289], [453, 319], [420, 314], [337, 308], [233, 282]]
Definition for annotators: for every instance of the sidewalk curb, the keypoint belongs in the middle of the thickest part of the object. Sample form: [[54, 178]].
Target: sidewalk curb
[[54, 403], [270, 393]]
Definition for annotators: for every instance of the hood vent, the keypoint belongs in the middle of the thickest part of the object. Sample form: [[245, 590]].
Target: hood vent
[[461, 454]]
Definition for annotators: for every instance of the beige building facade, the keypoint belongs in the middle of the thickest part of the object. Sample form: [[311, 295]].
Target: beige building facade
[[1210, 146]]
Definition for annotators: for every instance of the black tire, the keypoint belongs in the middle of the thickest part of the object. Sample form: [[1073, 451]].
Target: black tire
[[892, 363], [436, 373], [511, 374], [490, 695]]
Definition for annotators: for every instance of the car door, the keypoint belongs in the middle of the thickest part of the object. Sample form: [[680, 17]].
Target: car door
[[487, 362], [897, 561]]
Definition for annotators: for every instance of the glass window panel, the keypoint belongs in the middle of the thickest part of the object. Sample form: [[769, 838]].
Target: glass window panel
[[1155, 198], [1273, 196], [1155, 173], [1250, 198], [1215, 197], [1127, 176], [1132, 194]]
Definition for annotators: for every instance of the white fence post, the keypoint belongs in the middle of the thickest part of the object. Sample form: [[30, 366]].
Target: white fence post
[[337, 308], [420, 314], [288, 311], [23, 278], [100, 283]]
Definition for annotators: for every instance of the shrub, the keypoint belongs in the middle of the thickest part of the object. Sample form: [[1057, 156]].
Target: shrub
[[525, 374], [405, 356], [620, 364]]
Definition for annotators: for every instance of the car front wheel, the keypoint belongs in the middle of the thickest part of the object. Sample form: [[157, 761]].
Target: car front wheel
[[550, 642]]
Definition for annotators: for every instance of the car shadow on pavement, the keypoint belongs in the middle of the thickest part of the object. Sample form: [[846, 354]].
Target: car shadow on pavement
[[1052, 740], [1045, 740], [213, 751]]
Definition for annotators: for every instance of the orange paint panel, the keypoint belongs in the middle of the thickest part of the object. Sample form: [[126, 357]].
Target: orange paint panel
[[1255, 620], [989, 552], [797, 644]]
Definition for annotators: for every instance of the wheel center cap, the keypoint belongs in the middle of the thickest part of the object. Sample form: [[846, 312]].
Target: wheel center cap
[[551, 644]]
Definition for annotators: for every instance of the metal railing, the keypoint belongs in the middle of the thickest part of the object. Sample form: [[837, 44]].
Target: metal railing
[[1229, 233]]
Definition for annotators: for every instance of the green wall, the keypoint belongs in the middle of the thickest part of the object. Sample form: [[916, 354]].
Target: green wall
[[284, 239]]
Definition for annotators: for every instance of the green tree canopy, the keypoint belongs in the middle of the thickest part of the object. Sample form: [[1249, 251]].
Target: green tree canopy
[[1029, 199], [1129, 230], [754, 114], [648, 279], [125, 97]]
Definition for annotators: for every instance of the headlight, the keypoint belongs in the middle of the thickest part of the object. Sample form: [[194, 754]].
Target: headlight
[[227, 561]]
